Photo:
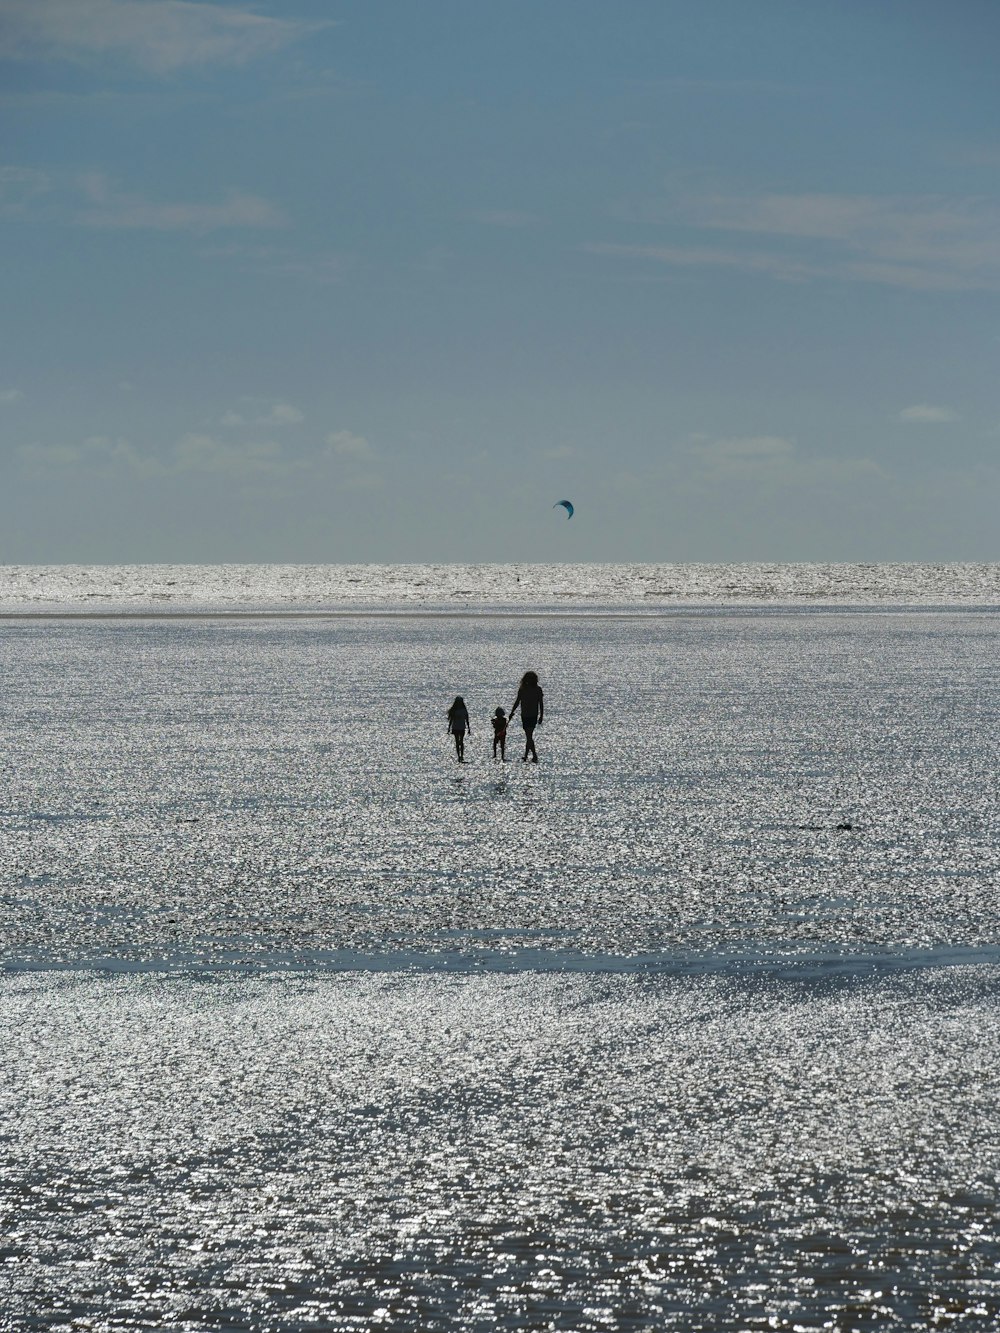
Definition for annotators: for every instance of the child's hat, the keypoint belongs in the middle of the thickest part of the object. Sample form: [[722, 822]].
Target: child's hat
[[499, 713]]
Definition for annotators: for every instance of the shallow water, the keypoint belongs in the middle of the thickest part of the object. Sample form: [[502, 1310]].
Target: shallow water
[[310, 1027]]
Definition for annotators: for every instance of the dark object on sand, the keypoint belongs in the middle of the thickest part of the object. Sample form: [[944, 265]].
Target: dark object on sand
[[845, 827]]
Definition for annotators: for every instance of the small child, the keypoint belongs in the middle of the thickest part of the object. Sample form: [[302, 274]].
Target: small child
[[499, 720]]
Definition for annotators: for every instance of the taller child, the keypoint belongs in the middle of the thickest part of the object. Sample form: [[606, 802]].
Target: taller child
[[458, 725]]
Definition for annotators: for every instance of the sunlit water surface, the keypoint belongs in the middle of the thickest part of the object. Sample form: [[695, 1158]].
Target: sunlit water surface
[[693, 1025]]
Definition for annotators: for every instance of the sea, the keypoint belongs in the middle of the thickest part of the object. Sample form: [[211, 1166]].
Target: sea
[[694, 1024]]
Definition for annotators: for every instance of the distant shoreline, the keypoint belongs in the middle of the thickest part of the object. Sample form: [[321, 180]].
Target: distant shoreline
[[484, 589], [676, 611]]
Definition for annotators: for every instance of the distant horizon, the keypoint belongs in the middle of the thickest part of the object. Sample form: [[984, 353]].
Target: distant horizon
[[491, 564], [644, 587]]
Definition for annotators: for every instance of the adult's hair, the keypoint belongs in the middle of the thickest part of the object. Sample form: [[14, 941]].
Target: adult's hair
[[459, 701], [529, 680]]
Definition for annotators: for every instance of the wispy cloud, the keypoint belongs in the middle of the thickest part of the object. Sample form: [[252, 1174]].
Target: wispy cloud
[[784, 268], [772, 463], [97, 453], [928, 414], [921, 242], [498, 217], [347, 460], [274, 261], [104, 456], [205, 453], [976, 155], [743, 457], [19, 186], [91, 199], [355, 461], [10, 395], [759, 447], [345, 444], [684, 84], [114, 209], [258, 412], [159, 35]]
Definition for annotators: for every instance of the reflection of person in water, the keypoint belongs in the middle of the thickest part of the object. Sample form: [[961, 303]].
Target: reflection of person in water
[[499, 720], [458, 725], [532, 705]]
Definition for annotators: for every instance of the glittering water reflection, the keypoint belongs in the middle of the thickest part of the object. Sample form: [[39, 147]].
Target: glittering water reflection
[[202, 790], [521, 1151], [304, 1029]]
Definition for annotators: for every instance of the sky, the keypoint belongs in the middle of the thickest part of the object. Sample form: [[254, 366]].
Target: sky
[[374, 280]]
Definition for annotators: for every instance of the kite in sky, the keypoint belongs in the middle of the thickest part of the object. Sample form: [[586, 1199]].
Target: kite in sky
[[566, 505]]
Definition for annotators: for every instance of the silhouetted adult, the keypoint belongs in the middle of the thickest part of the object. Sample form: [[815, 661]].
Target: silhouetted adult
[[531, 702]]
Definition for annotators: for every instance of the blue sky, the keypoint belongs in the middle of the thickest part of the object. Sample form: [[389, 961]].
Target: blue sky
[[382, 281]]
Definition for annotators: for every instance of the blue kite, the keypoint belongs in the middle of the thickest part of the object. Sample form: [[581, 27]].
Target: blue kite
[[566, 505]]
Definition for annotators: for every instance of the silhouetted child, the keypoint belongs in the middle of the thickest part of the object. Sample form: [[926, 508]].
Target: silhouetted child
[[499, 720], [458, 725]]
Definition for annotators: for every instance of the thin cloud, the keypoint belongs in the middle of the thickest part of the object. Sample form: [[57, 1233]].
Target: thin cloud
[[10, 395], [918, 229], [976, 155], [280, 262], [348, 460], [345, 444], [772, 463], [745, 457], [758, 447], [920, 242], [56, 198], [680, 256], [192, 453], [255, 413], [116, 210], [928, 414], [159, 35], [508, 218], [205, 453], [681, 83], [19, 186], [97, 452], [354, 461]]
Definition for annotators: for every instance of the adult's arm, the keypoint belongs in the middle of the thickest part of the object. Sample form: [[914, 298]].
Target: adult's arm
[[541, 706]]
